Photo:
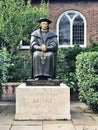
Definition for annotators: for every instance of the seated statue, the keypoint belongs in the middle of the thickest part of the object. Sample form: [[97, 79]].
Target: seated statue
[[44, 46]]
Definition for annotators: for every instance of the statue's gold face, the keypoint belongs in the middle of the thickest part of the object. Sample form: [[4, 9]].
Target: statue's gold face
[[44, 26]]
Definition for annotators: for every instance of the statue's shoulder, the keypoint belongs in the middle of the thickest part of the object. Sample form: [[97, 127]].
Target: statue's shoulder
[[52, 33], [36, 33]]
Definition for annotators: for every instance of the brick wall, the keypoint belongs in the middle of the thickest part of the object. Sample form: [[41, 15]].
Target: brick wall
[[88, 9], [9, 91]]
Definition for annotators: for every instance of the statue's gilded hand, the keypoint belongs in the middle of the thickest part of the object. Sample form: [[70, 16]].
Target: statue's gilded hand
[[43, 47]]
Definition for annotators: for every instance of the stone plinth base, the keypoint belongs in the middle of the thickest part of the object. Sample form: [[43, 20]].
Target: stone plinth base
[[32, 82], [44, 102]]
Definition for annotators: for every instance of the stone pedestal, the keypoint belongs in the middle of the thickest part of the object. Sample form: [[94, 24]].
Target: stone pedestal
[[42, 102]]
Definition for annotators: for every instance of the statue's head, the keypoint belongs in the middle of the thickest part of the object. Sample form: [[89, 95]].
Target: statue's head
[[44, 24], [45, 20]]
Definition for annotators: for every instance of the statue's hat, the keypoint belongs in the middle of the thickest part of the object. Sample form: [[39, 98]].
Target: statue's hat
[[45, 20]]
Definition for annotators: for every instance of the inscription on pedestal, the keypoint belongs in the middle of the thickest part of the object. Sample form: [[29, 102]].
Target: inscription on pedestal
[[34, 103]]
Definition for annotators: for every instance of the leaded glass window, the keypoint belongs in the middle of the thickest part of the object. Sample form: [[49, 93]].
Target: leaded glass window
[[64, 31], [71, 29], [78, 31]]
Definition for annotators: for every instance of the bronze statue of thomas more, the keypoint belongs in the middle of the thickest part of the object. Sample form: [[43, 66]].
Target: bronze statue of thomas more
[[44, 46]]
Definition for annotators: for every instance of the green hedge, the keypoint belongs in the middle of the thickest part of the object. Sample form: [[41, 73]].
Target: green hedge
[[4, 65], [1, 62], [66, 66], [87, 74], [19, 69], [18, 21]]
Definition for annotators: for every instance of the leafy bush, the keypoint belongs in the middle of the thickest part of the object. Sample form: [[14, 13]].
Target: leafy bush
[[4, 65], [87, 74], [92, 47], [19, 69], [17, 21], [1, 62], [66, 66]]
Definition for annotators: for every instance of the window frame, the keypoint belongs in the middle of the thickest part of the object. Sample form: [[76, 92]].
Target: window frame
[[71, 27]]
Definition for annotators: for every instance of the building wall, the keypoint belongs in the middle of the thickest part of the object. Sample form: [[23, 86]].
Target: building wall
[[88, 9]]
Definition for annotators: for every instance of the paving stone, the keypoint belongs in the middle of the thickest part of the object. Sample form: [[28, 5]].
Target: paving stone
[[75, 114], [77, 103], [4, 127], [76, 111], [57, 121], [85, 121], [91, 114], [82, 119], [2, 108], [26, 127], [32, 123], [60, 125], [6, 120], [86, 127], [95, 117], [9, 110]]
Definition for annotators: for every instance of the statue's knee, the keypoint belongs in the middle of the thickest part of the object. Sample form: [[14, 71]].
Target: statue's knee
[[36, 54], [50, 53]]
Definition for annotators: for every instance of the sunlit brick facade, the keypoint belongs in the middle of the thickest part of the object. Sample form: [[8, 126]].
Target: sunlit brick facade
[[88, 8]]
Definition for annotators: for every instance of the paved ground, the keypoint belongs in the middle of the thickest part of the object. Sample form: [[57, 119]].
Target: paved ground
[[82, 119]]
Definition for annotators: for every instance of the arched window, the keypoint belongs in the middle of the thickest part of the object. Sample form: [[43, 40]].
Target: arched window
[[71, 29]]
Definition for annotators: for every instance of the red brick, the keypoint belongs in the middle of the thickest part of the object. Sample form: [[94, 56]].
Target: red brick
[[88, 9]]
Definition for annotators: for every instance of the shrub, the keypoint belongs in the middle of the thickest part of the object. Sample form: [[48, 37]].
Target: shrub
[[92, 47], [19, 69], [4, 65], [66, 66], [1, 62], [87, 75], [17, 21]]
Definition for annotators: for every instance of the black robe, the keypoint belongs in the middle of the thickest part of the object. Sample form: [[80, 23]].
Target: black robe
[[44, 63]]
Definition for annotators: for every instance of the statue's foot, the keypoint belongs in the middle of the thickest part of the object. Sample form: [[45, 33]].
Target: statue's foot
[[49, 78], [36, 79], [43, 78]]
